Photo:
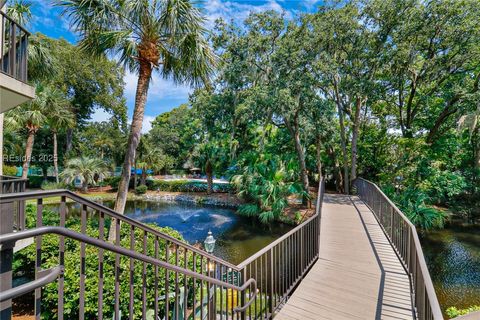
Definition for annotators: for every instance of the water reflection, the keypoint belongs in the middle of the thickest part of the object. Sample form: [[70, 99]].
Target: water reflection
[[453, 258], [237, 237]]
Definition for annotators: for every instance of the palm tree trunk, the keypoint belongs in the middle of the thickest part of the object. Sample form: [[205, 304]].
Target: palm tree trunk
[[69, 142], [28, 153], [133, 140], [209, 172], [143, 179], [55, 156]]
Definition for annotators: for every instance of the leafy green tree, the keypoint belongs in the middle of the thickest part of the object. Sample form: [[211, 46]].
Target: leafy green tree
[[145, 35], [176, 133], [107, 139], [88, 82]]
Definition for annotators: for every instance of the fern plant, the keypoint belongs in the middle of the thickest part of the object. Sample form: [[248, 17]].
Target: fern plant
[[266, 184]]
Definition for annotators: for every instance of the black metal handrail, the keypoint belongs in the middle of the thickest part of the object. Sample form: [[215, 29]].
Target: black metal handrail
[[212, 298], [219, 288], [279, 267], [92, 205], [84, 239], [13, 48], [10, 184], [403, 236]]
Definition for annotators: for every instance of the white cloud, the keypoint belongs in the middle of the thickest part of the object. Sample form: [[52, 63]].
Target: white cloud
[[147, 123], [159, 88], [237, 11], [100, 115]]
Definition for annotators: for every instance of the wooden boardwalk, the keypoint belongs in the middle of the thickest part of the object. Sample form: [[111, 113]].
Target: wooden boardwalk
[[358, 275]]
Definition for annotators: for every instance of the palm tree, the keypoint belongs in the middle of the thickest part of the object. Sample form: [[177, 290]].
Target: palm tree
[[30, 116], [266, 182], [209, 154], [40, 63], [59, 117], [167, 36], [86, 169], [20, 11], [103, 142]]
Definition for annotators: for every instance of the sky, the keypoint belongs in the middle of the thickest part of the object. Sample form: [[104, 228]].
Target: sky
[[163, 95]]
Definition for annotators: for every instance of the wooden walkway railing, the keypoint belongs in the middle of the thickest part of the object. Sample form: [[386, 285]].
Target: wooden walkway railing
[[404, 239]]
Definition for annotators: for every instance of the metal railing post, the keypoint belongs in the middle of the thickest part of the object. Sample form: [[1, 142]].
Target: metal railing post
[[6, 258]]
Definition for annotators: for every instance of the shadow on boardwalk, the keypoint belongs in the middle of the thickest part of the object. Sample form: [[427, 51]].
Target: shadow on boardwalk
[[358, 275]]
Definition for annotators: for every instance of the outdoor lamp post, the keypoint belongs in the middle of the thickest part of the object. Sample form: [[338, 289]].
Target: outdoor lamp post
[[209, 243]]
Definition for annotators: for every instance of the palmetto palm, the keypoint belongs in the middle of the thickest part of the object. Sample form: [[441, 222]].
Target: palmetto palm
[[86, 169], [30, 116], [145, 35], [59, 117], [103, 142], [40, 62], [266, 183]]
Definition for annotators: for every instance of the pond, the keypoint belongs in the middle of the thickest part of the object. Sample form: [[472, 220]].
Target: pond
[[238, 237], [453, 258]]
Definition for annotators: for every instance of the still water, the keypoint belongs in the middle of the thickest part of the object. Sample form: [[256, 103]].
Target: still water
[[453, 258], [237, 237]]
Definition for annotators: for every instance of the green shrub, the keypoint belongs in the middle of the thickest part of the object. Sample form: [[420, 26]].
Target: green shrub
[[24, 264], [298, 217], [47, 185], [453, 312], [142, 189], [37, 181], [10, 171], [186, 186], [415, 204], [265, 183], [113, 182]]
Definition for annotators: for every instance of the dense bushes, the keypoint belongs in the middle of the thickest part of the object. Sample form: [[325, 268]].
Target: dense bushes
[[113, 182], [416, 205], [186, 186], [10, 171], [47, 185], [453, 312], [141, 189], [24, 264], [266, 183], [37, 181]]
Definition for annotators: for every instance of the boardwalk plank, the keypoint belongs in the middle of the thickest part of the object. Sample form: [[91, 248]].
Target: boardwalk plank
[[358, 275]]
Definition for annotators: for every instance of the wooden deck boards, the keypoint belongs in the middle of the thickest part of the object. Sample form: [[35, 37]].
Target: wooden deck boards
[[358, 275]]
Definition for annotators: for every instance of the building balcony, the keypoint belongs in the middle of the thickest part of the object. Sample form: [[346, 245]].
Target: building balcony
[[14, 89]]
